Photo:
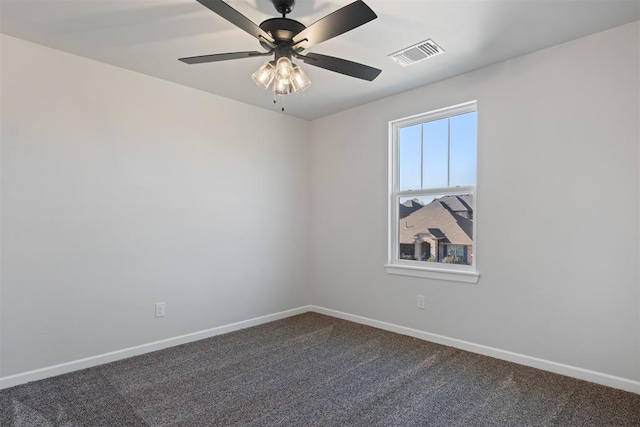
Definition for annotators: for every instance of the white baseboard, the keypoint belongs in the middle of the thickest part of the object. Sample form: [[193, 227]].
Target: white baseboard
[[534, 362], [75, 365], [521, 359]]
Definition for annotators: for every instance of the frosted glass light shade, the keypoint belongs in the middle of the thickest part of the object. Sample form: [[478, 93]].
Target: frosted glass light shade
[[299, 79], [284, 67], [282, 86], [264, 76]]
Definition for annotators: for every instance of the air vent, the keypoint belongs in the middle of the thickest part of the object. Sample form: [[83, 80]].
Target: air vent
[[416, 53]]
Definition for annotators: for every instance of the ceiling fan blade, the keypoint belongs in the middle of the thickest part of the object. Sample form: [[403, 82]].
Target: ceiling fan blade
[[342, 20], [342, 66], [222, 57], [237, 19]]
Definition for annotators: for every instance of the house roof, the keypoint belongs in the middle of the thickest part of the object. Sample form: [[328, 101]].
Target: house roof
[[458, 203], [409, 207], [437, 219]]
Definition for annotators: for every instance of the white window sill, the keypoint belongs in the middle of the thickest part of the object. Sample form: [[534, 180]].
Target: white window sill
[[434, 273]]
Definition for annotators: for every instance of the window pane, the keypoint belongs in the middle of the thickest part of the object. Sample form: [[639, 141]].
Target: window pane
[[435, 157], [409, 157], [463, 149], [436, 228]]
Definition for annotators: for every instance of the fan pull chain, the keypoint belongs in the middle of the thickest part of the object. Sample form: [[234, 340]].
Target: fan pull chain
[[275, 102]]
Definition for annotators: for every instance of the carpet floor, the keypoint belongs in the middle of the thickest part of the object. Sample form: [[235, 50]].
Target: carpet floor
[[315, 370]]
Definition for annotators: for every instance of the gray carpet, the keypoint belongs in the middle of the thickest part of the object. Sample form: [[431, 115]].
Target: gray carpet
[[315, 370]]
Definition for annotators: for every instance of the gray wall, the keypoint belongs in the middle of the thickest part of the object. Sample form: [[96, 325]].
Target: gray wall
[[120, 190], [557, 208]]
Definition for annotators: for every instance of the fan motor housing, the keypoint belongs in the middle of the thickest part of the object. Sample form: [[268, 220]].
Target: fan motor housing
[[282, 29]]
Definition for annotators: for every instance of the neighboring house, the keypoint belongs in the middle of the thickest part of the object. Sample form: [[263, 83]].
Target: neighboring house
[[441, 231], [409, 207]]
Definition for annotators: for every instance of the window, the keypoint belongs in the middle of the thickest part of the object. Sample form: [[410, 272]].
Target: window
[[432, 194]]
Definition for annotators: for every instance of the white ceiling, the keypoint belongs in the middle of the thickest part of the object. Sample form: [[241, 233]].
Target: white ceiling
[[148, 36]]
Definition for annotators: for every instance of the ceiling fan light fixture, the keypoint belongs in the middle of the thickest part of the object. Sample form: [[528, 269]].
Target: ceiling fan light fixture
[[265, 74], [285, 76]]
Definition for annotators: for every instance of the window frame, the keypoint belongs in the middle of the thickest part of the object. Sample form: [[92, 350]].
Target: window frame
[[434, 270]]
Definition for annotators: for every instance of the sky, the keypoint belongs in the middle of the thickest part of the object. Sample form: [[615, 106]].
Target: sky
[[429, 159]]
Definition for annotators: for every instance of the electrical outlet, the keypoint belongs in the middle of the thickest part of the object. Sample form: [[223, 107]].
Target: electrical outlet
[[161, 309], [421, 303]]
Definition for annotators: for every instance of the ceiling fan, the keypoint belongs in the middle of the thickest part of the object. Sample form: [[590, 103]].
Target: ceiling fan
[[286, 38]]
